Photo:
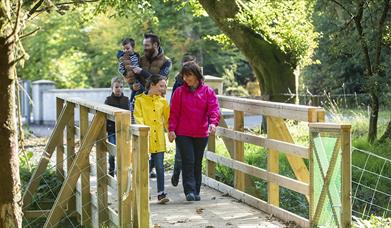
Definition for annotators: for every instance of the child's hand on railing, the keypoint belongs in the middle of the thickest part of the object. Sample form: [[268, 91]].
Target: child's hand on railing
[[171, 136]]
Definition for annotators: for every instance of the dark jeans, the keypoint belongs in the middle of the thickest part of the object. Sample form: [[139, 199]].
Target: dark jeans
[[131, 100], [151, 164], [112, 140], [158, 159], [192, 151], [177, 163], [131, 109]]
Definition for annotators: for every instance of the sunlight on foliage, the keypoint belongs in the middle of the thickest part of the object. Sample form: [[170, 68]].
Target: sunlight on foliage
[[221, 39], [285, 23], [374, 221], [196, 8]]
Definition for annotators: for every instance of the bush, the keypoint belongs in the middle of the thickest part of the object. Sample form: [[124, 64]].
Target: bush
[[373, 221]]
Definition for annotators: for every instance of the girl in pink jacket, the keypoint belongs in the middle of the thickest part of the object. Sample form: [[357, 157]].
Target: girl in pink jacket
[[194, 114]]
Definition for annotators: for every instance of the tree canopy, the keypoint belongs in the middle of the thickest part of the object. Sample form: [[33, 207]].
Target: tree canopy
[[78, 50]]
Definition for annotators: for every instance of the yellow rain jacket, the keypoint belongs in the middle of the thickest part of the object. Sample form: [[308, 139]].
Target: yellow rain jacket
[[153, 111]]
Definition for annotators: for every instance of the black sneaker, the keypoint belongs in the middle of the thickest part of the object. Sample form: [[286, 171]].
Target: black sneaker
[[162, 198], [174, 180], [197, 197], [152, 175], [190, 197]]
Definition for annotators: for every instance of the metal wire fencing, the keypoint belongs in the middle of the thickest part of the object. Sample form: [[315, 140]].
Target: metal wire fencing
[[371, 184], [38, 210]]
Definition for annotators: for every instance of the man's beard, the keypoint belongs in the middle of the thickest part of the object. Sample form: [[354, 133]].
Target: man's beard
[[149, 53]]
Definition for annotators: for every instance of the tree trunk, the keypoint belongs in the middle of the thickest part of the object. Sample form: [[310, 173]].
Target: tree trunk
[[268, 62], [387, 133], [10, 190], [372, 132]]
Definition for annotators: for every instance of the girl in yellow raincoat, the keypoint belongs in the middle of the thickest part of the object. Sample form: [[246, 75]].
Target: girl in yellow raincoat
[[152, 109]]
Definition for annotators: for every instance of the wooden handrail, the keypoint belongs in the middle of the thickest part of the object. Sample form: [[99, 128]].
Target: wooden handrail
[[267, 108], [288, 148], [91, 105], [283, 181]]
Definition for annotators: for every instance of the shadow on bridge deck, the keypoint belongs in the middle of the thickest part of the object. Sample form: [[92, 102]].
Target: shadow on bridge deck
[[214, 210]]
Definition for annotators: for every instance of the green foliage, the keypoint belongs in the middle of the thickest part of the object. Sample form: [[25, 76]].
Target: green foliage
[[231, 86], [79, 50], [52, 50], [74, 51], [340, 65], [374, 221], [382, 149], [47, 190], [287, 24], [223, 173], [25, 158], [194, 5], [337, 59], [169, 156]]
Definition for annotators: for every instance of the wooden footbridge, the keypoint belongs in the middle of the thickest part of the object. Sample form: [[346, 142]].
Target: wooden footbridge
[[322, 167]]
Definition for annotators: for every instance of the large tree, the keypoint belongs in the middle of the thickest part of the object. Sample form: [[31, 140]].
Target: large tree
[[14, 16], [371, 48], [354, 52], [275, 36], [10, 195]]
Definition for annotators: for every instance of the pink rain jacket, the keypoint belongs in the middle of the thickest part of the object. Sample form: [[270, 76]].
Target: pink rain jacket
[[192, 111]]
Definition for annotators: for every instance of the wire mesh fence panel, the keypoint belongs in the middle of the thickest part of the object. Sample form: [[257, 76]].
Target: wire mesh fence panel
[[371, 184], [37, 211]]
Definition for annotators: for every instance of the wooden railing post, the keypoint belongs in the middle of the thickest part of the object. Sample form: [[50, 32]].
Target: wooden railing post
[[60, 145], [210, 165], [346, 175], [239, 149], [101, 179], [122, 123], [311, 204], [143, 175], [273, 164], [85, 173], [330, 157], [71, 154], [321, 115], [135, 177]]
